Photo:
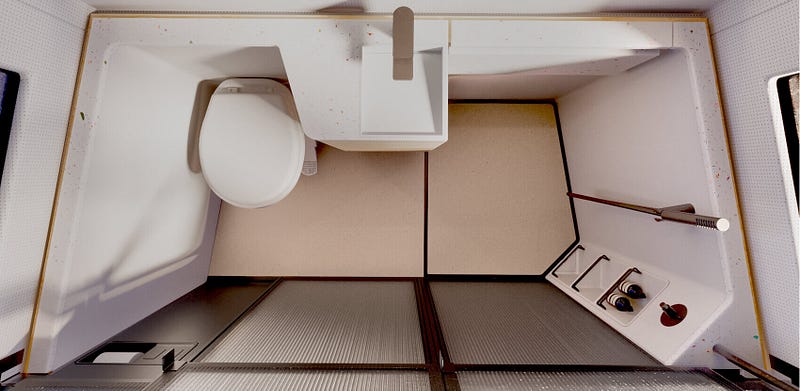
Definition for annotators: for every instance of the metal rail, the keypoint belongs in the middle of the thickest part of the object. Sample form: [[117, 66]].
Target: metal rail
[[758, 372]]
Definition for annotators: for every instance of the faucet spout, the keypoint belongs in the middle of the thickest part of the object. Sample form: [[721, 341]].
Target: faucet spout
[[403, 44]]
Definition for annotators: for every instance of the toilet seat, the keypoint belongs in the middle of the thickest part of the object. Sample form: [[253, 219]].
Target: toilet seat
[[251, 144]]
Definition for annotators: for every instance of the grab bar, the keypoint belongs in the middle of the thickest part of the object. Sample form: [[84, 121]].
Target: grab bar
[[683, 213]]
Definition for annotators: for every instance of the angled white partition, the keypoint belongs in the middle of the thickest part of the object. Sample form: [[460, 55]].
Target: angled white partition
[[654, 136]]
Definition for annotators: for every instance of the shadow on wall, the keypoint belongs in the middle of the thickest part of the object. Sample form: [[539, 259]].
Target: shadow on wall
[[202, 98], [71, 336], [80, 320]]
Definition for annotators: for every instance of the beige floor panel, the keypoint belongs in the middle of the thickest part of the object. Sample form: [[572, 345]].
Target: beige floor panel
[[497, 199], [361, 215]]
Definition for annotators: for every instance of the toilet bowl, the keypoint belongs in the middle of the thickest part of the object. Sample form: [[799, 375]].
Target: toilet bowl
[[251, 145]]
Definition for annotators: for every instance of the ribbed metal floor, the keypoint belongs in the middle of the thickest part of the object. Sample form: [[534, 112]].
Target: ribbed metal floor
[[77, 385], [526, 323], [588, 381], [328, 322], [242, 379]]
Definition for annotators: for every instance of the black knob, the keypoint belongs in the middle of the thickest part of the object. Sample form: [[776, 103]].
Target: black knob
[[670, 311], [631, 289], [619, 302]]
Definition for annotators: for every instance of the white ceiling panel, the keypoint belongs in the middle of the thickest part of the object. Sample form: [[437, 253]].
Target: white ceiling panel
[[419, 6]]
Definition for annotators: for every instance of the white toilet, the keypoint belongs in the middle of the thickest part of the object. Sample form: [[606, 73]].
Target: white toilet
[[251, 144]]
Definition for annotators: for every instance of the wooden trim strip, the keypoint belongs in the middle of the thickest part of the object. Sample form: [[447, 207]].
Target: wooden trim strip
[[57, 193], [747, 256]]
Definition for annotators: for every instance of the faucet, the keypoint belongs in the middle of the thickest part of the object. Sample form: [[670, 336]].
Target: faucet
[[403, 44]]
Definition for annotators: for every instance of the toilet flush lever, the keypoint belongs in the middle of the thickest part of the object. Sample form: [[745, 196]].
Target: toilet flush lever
[[403, 44]]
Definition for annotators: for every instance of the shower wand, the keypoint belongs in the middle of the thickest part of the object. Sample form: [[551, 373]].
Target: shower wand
[[683, 213]]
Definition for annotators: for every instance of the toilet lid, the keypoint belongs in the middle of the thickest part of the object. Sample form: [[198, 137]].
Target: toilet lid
[[251, 144]]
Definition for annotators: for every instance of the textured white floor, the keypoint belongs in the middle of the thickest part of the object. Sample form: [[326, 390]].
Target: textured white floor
[[497, 200], [361, 215]]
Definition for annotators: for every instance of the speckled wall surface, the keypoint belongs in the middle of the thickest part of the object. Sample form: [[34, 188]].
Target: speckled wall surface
[[41, 40], [755, 41]]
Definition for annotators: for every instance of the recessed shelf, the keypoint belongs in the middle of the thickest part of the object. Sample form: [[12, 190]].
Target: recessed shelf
[[595, 278], [652, 287]]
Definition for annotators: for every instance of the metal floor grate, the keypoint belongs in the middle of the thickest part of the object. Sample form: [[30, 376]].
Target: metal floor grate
[[587, 381], [76, 385], [526, 323], [365, 335], [328, 322], [249, 378]]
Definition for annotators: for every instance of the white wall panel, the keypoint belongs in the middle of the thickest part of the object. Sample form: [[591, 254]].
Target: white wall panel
[[755, 41], [41, 40]]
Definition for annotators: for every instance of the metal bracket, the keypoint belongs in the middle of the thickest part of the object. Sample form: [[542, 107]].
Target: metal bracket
[[169, 364], [578, 247], [585, 272]]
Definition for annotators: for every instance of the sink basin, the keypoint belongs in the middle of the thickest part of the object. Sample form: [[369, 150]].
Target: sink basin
[[404, 111]]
